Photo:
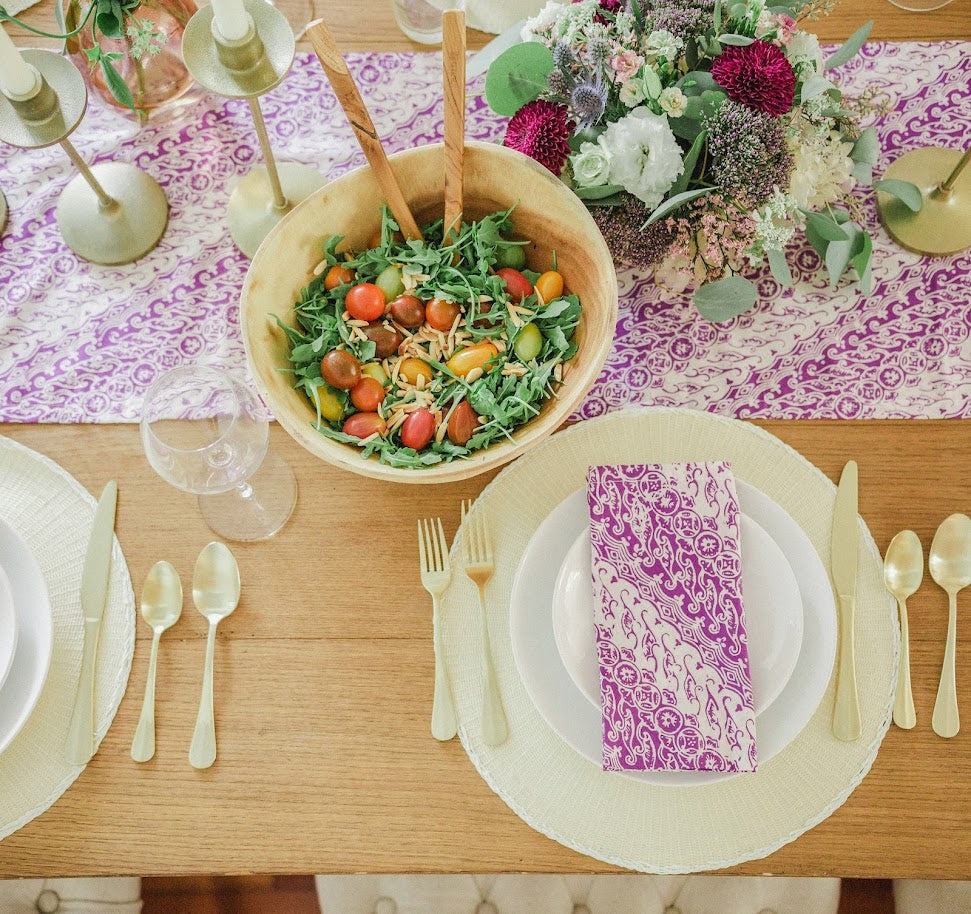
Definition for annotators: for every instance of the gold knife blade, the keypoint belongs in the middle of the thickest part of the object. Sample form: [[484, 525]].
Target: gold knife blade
[[94, 593], [844, 563]]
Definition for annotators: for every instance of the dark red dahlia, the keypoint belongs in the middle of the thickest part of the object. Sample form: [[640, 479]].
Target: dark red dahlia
[[757, 75], [541, 130]]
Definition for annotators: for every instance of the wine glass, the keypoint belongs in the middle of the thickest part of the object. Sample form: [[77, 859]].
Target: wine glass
[[206, 433], [920, 6]]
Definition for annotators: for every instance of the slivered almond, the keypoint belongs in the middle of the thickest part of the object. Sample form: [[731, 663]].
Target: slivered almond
[[320, 268], [474, 375], [357, 323], [369, 438]]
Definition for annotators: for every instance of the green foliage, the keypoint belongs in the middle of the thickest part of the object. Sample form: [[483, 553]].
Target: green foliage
[[907, 193], [727, 298], [675, 202], [518, 76], [849, 50]]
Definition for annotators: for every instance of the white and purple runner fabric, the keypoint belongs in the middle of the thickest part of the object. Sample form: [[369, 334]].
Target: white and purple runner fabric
[[671, 639], [80, 343]]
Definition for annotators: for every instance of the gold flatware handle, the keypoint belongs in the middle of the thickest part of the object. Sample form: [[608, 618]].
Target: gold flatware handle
[[444, 725], [946, 721], [904, 715], [80, 738], [846, 715]]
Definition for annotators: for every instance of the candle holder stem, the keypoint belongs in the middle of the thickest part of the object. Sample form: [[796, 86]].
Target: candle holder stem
[[280, 201], [106, 202], [953, 176]]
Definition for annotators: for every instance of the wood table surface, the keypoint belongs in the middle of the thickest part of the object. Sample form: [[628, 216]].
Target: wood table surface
[[324, 673]]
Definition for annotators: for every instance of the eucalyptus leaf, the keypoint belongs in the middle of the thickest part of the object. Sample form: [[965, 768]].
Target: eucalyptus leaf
[[597, 193], [815, 86], [907, 193], [825, 226], [652, 83], [119, 88], [818, 243], [849, 49], [780, 266], [840, 253], [863, 172], [518, 76], [690, 160], [862, 262], [717, 16], [866, 148], [739, 41], [727, 298], [673, 203]]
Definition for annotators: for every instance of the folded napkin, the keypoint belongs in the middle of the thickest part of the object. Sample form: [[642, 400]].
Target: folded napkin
[[674, 667]]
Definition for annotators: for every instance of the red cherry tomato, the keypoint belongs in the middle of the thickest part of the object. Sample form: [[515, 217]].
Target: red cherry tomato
[[362, 425], [337, 275], [368, 394], [408, 311], [441, 314], [517, 285], [386, 342], [462, 424], [417, 429], [365, 301], [340, 369]]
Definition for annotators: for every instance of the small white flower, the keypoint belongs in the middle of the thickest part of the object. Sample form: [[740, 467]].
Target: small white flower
[[672, 101], [543, 19], [822, 168], [632, 93], [804, 48], [591, 165], [663, 44], [644, 155]]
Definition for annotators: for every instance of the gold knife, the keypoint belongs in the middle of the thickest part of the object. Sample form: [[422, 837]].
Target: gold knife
[[846, 715], [94, 593]]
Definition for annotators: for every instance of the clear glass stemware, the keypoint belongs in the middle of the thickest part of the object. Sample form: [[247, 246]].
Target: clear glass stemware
[[206, 433]]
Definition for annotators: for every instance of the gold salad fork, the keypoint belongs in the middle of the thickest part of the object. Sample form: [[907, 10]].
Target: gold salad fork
[[477, 546], [436, 573]]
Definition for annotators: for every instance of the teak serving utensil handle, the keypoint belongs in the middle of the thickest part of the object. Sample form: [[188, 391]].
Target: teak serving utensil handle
[[453, 64], [350, 99]]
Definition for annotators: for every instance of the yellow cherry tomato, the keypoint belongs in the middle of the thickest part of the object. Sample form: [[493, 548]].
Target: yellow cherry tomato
[[471, 357], [331, 407], [412, 369], [549, 285]]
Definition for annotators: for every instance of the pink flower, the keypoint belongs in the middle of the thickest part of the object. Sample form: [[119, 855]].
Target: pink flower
[[541, 130], [757, 75], [785, 28], [626, 64]]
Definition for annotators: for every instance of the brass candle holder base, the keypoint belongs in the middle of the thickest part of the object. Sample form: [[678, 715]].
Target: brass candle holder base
[[3, 211], [110, 214], [249, 68], [943, 224]]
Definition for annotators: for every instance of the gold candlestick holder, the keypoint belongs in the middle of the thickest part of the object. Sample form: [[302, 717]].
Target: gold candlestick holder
[[943, 224], [111, 213], [249, 68], [3, 211]]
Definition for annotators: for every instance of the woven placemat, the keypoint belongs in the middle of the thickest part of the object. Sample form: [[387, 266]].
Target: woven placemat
[[52, 512], [614, 818]]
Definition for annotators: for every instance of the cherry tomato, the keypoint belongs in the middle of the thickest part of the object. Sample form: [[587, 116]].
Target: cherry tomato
[[517, 285], [368, 394], [484, 320], [462, 424], [412, 369], [510, 255], [375, 240], [389, 279], [386, 342], [417, 429], [337, 275], [362, 425], [408, 311], [441, 314], [374, 370], [529, 342], [340, 369], [330, 404], [471, 357], [549, 285], [365, 301]]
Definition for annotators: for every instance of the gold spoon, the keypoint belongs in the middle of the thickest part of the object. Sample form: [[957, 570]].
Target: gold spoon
[[950, 567], [161, 608], [903, 570], [215, 591]]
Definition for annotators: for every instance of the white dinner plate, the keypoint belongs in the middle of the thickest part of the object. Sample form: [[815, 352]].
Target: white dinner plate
[[28, 672], [8, 627], [773, 611], [578, 722]]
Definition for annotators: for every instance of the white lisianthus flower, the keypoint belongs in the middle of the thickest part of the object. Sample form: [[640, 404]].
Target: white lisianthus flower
[[663, 44], [803, 48], [591, 165], [644, 155], [632, 93], [672, 101]]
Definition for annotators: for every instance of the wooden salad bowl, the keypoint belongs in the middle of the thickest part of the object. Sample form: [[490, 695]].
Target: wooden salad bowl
[[547, 213]]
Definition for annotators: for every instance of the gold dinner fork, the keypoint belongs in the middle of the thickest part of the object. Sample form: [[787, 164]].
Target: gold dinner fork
[[477, 548], [436, 573]]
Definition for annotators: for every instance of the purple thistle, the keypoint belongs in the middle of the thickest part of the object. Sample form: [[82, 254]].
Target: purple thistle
[[559, 84], [563, 56], [588, 100]]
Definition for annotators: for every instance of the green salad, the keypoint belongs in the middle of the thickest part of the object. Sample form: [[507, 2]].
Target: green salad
[[421, 352]]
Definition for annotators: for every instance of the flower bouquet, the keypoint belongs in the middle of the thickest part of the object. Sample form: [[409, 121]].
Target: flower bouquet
[[702, 134]]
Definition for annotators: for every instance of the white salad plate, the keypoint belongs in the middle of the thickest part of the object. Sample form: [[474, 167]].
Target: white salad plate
[[28, 672], [8, 627], [577, 721], [770, 594]]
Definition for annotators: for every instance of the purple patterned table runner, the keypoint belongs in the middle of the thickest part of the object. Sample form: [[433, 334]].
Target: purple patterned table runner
[[674, 667], [80, 343]]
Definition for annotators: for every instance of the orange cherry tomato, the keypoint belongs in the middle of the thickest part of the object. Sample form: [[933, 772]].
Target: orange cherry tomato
[[363, 425], [337, 275], [462, 424], [417, 429], [340, 369], [441, 314], [408, 311], [368, 394], [549, 285], [471, 357], [517, 285], [412, 369], [365, 301]]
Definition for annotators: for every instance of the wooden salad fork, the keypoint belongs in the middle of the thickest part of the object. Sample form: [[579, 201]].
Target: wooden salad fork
[[479, 565], [436, 574]]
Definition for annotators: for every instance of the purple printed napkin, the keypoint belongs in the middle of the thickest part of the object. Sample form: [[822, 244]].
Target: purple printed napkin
[[674, 667]]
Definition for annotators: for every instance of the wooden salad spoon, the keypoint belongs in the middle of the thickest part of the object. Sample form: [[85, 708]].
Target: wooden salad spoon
[[453, 66]]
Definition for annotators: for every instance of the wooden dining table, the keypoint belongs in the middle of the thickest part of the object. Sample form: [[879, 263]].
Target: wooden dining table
[[324, 673]]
